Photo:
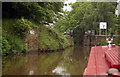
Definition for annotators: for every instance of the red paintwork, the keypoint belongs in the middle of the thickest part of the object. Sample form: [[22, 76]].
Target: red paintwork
[[100, 60], [113, 57], [116, 74]]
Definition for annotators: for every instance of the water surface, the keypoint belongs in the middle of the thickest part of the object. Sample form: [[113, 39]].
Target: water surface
[[71, 61]]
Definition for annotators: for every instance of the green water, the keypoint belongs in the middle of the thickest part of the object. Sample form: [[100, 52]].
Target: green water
[[71, 61]]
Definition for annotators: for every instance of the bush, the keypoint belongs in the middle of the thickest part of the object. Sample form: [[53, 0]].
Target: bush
[[16, 43], [12, 44], [51, 40], [21, 27], [103, 41], [5, 46], [25, 49], [117, 40]]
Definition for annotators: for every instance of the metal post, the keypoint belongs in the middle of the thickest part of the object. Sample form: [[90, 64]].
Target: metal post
[[90, 39], [100, 32]]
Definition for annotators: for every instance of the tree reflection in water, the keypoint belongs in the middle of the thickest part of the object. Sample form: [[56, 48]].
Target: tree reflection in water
[[71, 61]]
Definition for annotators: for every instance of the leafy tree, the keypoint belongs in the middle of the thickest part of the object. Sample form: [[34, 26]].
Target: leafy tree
[[87, 16], [40, 12], [21, 27]]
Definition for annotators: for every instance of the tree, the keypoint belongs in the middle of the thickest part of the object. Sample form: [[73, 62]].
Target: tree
[[87, 16], [40, 12]]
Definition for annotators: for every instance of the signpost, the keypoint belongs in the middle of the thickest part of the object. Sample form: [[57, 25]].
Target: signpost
[[103, 26]]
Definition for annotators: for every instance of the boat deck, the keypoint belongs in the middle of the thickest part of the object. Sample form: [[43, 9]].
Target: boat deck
[[98, 63]]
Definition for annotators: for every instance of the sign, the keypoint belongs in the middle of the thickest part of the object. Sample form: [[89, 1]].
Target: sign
[[103, 25], [119, 7], [32, 32], [116, 12]]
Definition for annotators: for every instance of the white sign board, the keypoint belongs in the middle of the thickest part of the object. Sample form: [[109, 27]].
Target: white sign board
[[116, 12], [32, 32], [103, 25]]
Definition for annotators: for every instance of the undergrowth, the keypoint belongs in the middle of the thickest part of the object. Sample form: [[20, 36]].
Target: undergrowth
[[14, 31]]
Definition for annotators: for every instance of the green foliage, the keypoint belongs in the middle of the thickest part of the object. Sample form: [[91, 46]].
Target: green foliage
[[15, 27], [87, 16], [51, 40], [78, 33], [117, 31], [103, 41], [40, 12], [5, 46], [117, 40], [99, 12], [21, 27], [16, 43], [61, 25], [11, 42], [25, 49]]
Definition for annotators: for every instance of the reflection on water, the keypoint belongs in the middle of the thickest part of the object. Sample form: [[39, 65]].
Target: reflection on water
[[31, 72], [71, 61], [0, 65], [60, 71]]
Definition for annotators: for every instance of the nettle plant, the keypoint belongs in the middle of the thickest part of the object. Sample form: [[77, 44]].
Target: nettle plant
[[21, 27]]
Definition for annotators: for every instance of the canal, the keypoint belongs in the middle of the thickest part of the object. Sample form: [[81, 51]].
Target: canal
[[71, 61]]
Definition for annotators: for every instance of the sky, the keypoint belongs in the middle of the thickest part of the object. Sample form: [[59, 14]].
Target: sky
[[118, 0], [68, 7]]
